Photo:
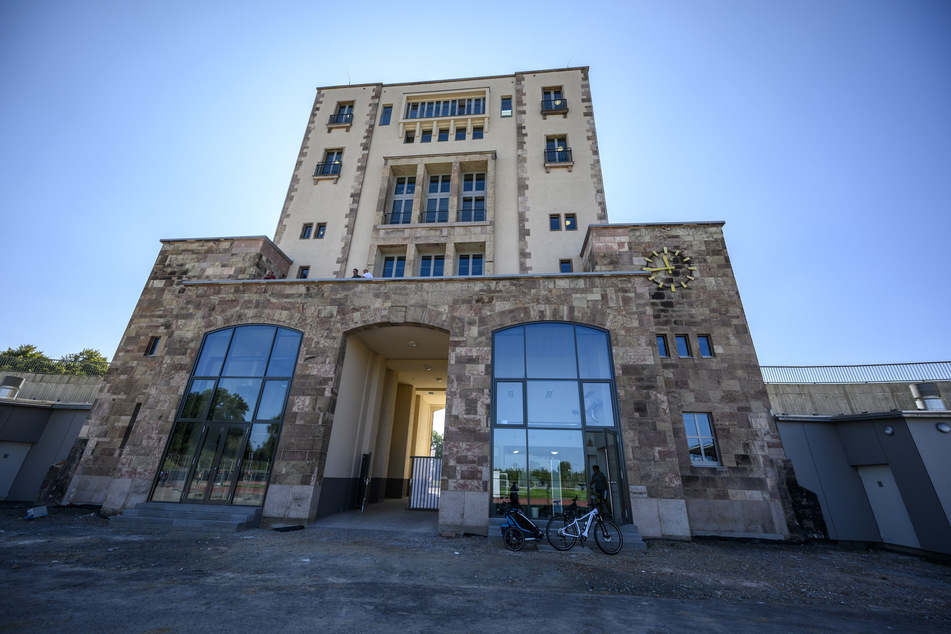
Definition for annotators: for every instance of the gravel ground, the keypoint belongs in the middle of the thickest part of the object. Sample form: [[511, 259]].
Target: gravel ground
[[72, 570]]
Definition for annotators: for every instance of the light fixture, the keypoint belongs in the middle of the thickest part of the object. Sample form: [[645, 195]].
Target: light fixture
[[888, 430], [411, 343], [427, 367], [438, 379], [515, 451], [554, 453], [944, 428]]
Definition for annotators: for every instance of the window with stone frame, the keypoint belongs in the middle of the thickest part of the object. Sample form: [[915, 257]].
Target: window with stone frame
[[472, 203], [469, 264], [386, 114], [701, 443], [394, 265], [401, 204], [437, 199], [306, 231], [431, 265]]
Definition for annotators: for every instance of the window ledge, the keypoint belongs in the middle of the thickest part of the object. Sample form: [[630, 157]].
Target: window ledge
[[562, 111], [568, 164], [346, 125], [326, 177]]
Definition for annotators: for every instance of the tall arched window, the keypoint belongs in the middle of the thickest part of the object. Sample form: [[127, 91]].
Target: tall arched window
[[553, 416], [229, 419]]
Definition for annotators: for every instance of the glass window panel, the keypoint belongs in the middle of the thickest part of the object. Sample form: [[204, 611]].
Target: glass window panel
[[706, 350], [508, 403], [178, 458], [593, 354], [554, 223], [510, 353], [555, 470], [693, 448], [256, 465], [477, 265], [703, 424], [439, 263], [683, 346], [213, 353], [662, 346], [385, 117], [461, 134], [198, 398], [510, 468], [235, 400], [553, 404], [272, 400], [551, 351], [598, 404], [477, 133], [284, 355], [249, 351]]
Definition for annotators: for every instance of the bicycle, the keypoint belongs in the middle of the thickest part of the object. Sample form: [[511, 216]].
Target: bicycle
[[562, 532]]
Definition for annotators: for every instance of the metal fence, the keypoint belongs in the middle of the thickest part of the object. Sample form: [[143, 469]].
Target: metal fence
[[425, 481], [883, 373], [51, 366]]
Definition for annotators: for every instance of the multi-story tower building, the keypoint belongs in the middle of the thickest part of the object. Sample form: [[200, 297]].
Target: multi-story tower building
[[485, 176], [260, 374]]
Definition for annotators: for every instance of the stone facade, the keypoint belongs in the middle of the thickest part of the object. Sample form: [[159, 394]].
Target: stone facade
[[669, 496], [379, 356]]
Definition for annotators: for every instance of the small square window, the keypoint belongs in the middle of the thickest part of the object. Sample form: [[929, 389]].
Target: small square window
[[571, 223], [303, 272], [706, 348], [477, 132], [321, 229], [410, 136], [700, 441], [662, 346], [460, 134], [386, 114], [683, 346], [565, 266], [506, 107], [443, 134], [153, 344], [305, 231], [426, 136], [554, 222]]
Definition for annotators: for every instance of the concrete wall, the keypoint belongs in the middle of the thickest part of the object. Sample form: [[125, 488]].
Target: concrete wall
[[831, 399]]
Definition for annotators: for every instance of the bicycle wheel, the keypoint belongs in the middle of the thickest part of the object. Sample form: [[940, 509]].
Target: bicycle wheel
[[513, 538], [608, 537], [555, 532]]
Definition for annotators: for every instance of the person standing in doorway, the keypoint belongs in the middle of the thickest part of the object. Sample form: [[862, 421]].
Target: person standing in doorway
[[599, 483]]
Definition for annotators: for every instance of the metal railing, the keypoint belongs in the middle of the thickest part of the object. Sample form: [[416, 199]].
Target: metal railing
[[472, 215], [331, 168], [51, 366], [558, 156], [882, 373], [554, 105], [398, 218], [434, 216], [341, 119]]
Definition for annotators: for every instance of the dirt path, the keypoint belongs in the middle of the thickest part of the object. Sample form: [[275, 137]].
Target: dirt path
[[71, 570]]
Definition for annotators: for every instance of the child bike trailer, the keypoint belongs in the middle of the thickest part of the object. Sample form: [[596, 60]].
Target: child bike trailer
[[517, 528]]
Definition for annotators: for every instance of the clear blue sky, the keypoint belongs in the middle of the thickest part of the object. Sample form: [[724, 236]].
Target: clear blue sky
[[819, 131]]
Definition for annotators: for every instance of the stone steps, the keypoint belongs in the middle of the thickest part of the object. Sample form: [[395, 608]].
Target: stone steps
[[194, 517]]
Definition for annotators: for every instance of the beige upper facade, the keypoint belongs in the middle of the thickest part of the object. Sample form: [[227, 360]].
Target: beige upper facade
[[488, 175]]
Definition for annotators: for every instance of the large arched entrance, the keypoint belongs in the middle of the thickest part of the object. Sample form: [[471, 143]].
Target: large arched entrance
[[392, 382]]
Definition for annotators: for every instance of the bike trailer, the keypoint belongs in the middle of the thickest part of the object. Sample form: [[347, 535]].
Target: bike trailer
[[516, 518]]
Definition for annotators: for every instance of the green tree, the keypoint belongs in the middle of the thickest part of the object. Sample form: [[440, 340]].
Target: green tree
[[26, 351], [86, 361], [436, 444]]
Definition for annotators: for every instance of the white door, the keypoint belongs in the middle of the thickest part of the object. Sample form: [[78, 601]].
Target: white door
[[887, 505]]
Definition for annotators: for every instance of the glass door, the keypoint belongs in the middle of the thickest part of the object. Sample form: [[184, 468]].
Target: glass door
[[217, 464], [602, 450]]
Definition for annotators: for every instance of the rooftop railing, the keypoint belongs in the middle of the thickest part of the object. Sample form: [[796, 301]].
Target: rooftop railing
[[52, 366], [882, 373]]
